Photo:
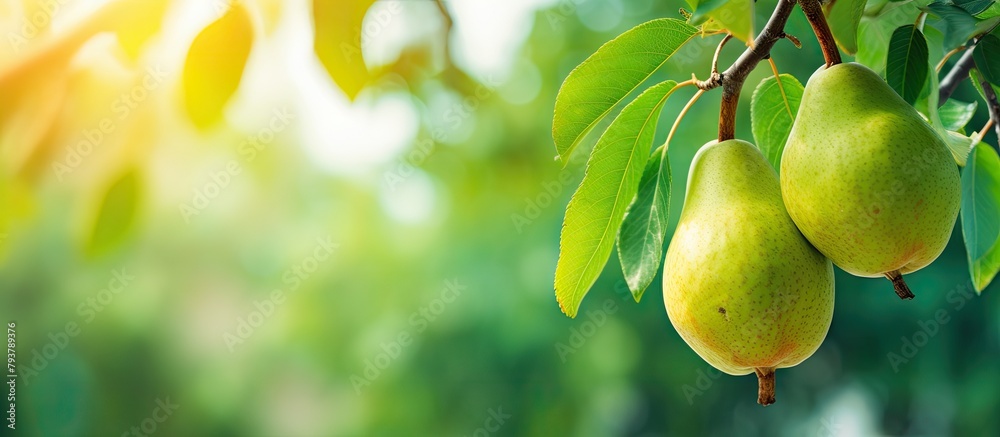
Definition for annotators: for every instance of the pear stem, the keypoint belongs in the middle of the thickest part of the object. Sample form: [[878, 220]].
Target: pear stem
[[759, 49], [765, 385], [732, 79], [814, 13], [902, 290]]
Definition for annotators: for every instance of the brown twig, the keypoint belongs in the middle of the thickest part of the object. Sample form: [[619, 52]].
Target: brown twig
[[814, 13], [731, 80]]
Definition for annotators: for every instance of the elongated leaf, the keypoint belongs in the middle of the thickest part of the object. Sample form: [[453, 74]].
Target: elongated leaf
[[116, 214], [955, 115], [337, 42], [640, 241], [611, 181], [987, 57], [956, 24], [958, 144], [736, 16], [214, 66], [973, 7], [875, 31], [844, 16], [991, 11], [906, 66], [609, 75], [981, 214], [772, 112]]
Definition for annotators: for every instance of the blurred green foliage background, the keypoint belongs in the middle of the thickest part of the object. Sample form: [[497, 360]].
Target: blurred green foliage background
[[383, 266]]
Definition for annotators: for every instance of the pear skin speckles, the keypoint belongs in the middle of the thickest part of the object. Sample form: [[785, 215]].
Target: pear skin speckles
[[867, 180], [741, 285]]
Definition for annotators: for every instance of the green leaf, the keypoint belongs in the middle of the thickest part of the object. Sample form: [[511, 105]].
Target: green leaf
[[602, 81], [844, 16], [337, 42], [958, 144], [611, 181], [906, 65], [116, 214], [928, 103], [640, 241], [974, 7], [214, 66], [981, 215], [987, 57], [976, 77], [875, 31], [772, 111], [955, 115], [734, 15], [956, 24], [992, 11]]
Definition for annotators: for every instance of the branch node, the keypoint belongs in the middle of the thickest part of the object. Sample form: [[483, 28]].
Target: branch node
[[714, 81]]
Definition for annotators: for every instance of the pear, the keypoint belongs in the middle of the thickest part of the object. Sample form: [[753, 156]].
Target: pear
[[866, 179], [741, 285]]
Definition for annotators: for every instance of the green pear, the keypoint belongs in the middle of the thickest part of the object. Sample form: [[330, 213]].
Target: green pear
[[741, 285], [866, 179]]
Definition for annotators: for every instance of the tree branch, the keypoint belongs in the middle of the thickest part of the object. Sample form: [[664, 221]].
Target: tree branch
[[956, 75], [732, 79], [994, 107]]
